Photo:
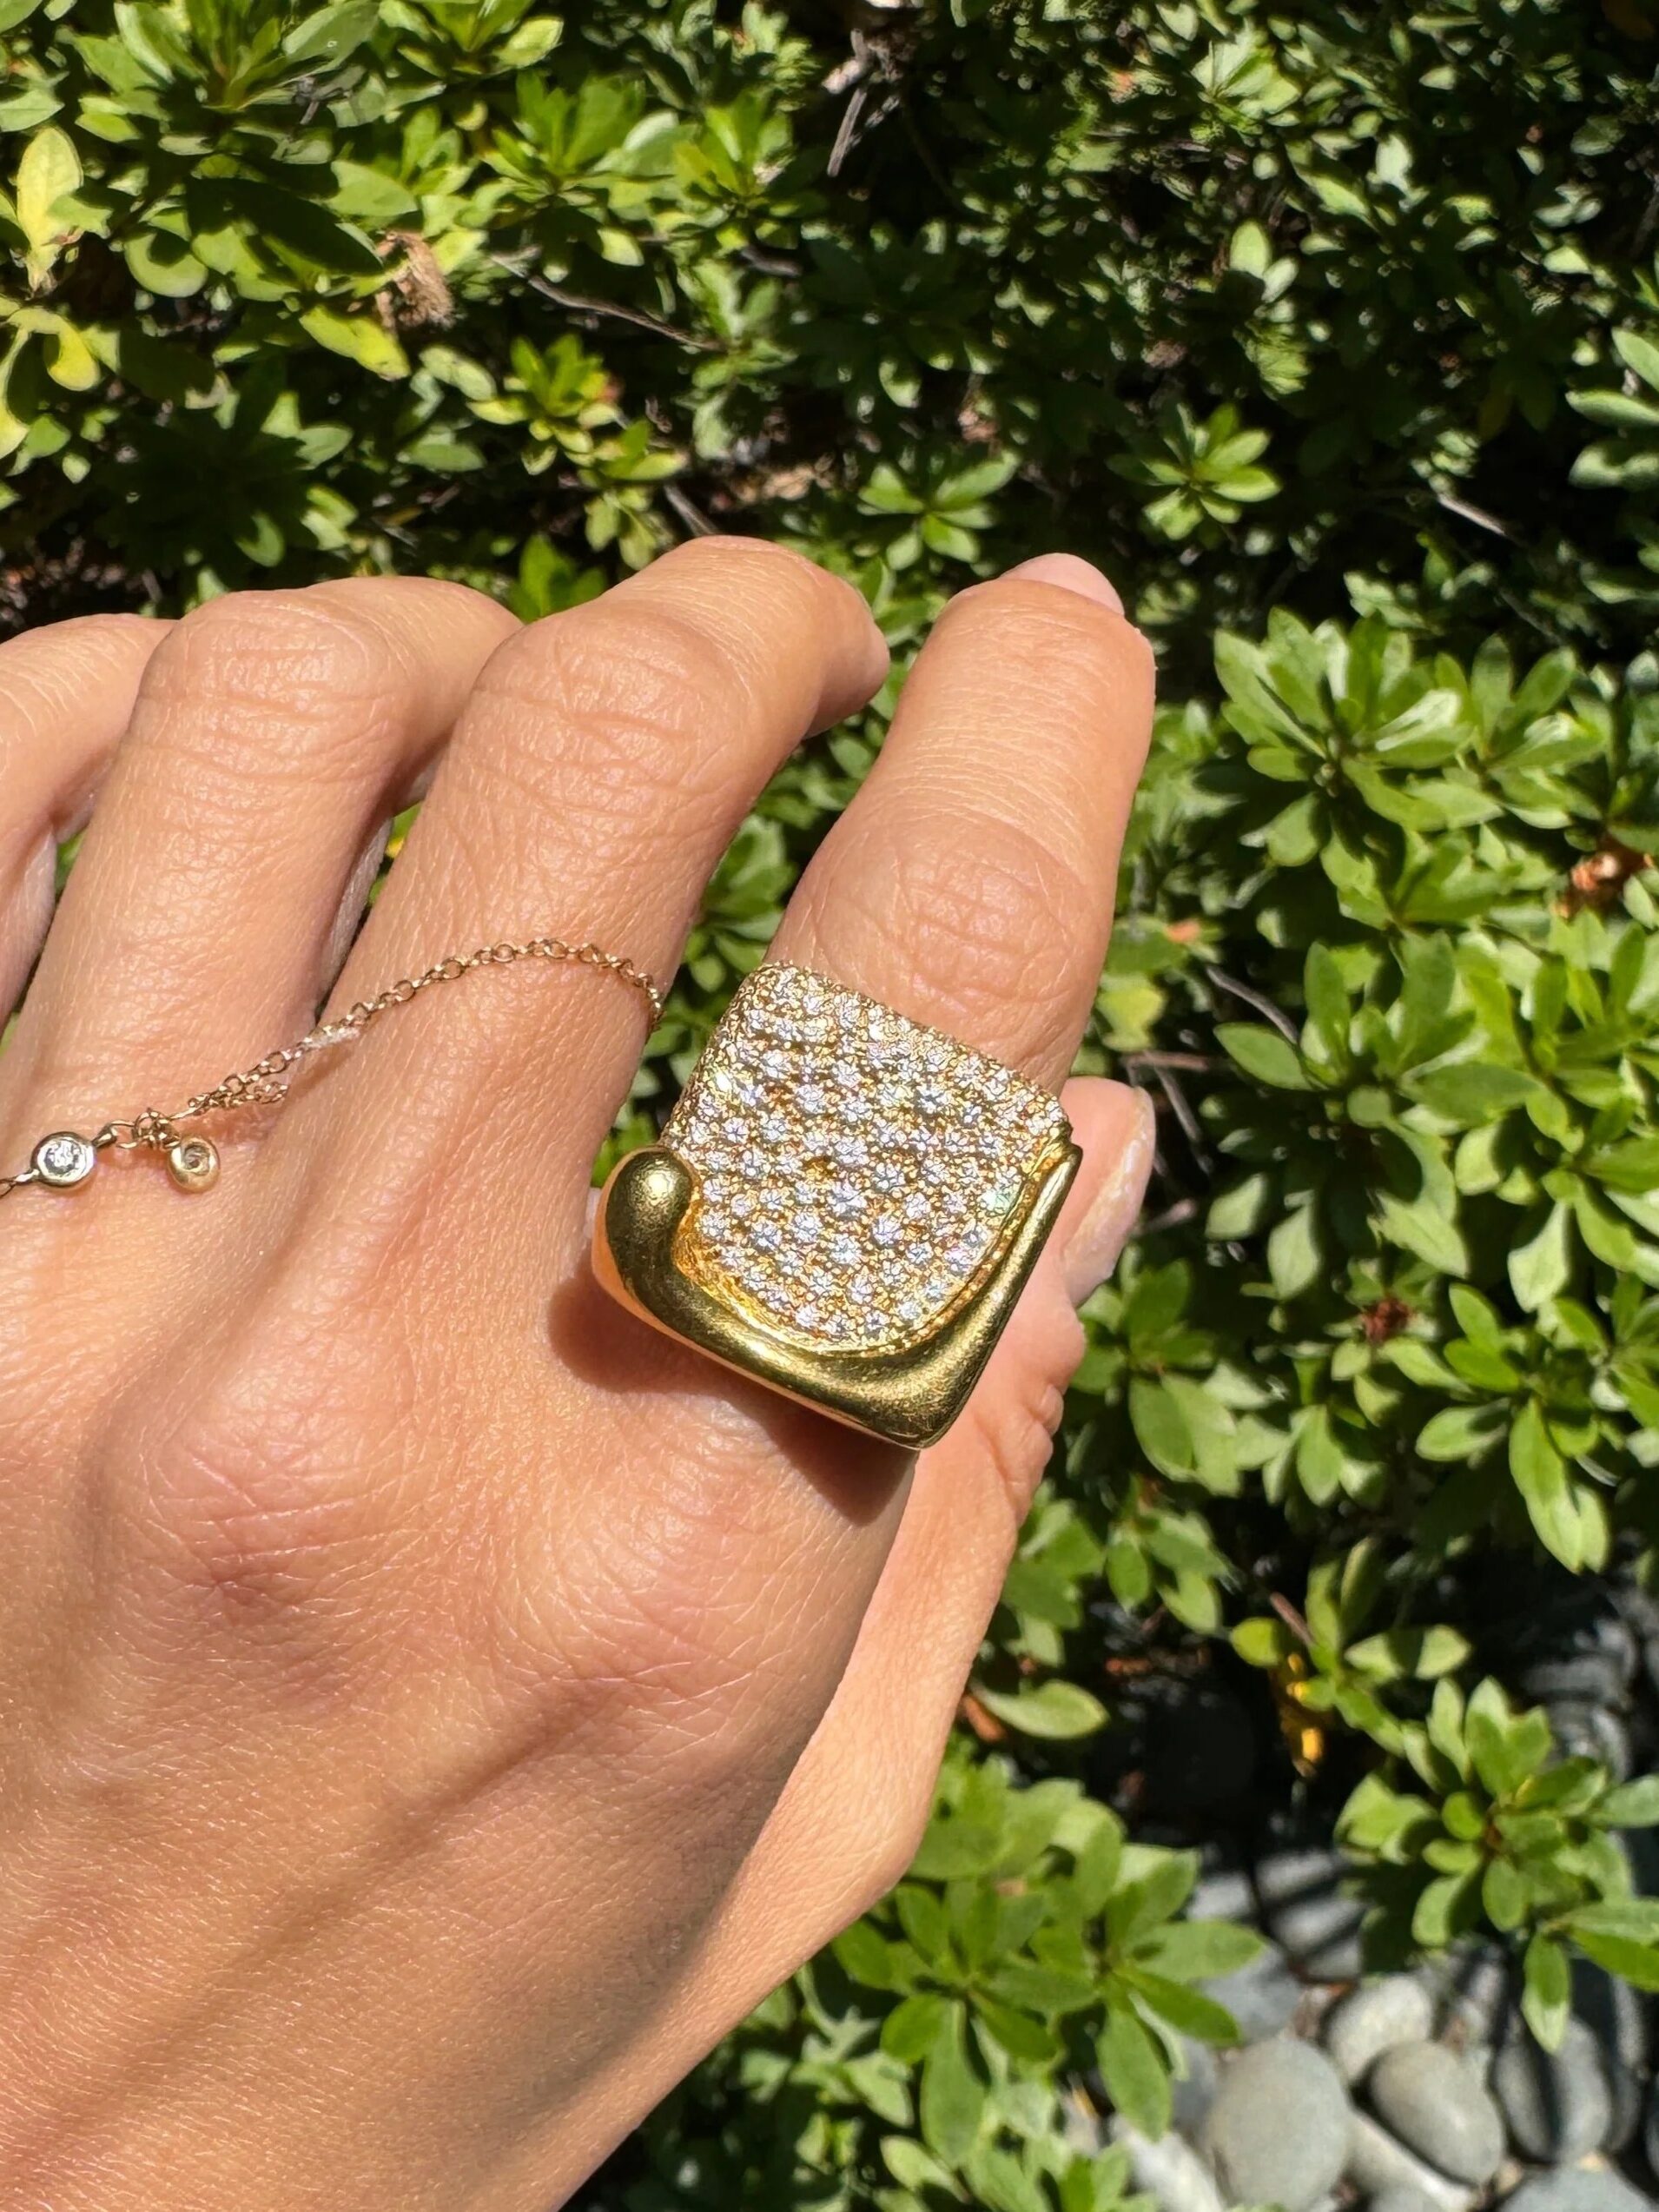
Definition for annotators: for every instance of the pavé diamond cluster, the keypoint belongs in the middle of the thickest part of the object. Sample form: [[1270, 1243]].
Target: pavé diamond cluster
[[856, 1174]]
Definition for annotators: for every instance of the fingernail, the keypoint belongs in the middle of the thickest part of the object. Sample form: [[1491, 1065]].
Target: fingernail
[[1071, 574], [1105, 1229]]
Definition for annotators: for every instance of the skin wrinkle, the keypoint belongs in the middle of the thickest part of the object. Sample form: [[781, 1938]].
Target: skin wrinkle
[[543, 1634]]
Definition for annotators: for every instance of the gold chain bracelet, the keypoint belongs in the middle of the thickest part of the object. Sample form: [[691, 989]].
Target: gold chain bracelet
[[65, 1160]]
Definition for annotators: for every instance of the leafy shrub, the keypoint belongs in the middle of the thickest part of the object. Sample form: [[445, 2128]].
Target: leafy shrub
[[1334, 335]]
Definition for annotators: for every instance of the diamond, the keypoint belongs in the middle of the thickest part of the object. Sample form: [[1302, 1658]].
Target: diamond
[[856, 1171], [65, 1161], [844, 1199]]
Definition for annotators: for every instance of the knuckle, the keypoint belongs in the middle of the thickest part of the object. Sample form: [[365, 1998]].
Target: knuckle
[[659, 1642], [647, 700], [640, 669], [299, 657], [43, 673], [960, 915], [723, 565], [253, 1507], [1001, 647]]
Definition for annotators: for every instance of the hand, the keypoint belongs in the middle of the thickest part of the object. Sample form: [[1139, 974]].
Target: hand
[[436, 1706]]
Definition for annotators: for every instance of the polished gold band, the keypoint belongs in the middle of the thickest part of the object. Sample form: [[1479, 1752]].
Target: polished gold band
[[844, 1204]]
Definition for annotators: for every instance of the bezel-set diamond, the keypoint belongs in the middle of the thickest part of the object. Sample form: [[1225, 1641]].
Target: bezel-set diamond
[[856, 1173], [63, 1161]]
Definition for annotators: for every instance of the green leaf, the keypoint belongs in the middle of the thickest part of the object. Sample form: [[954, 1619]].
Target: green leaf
[[913, 2027], [1546, 1994], [1632, 1804], [1422, 1653], [1461, 1432], [952, 2103], [1541, 1268], [1132, 2066], [48, 173], [1540, 1475], [361, 338], [1195, 1951], [866, 1955], [1263, 1053], [1266, 1641], [1056, 1710], [1448, 1908], [1631, 1961], [1188, 2010]]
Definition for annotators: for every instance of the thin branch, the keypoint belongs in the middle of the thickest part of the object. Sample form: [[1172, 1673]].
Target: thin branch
[[847, 129], [1477, 515], [1184, 1210], [1185, 1117], [1264, 1007], [1193, 1063], [693, 517], [579, 303]]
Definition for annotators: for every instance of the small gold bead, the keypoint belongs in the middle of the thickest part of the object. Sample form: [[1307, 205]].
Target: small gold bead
[[192, 1163]]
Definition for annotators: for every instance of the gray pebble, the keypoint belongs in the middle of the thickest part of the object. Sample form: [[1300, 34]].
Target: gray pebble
[[1169, 2170], [1377, 2164], [1278, 2131], [1581, 1644], [1223, 1894], [1576, 2189], [1584, 1729], [1192, 2093], [1403, 2200], [1262, 1996], [1435, 2105], [1308, 1911], [1617, 2015], [1478, 1994], [1558, 2104], [1371, 2019], [1650, 2139], [1593, 1675]]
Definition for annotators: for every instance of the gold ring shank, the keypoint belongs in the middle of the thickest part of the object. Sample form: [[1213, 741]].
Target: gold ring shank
[[910, 1396]]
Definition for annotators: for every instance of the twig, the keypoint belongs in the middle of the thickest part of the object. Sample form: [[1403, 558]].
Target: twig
[[579, 303], [1185, 1117], [1477, 515], [1264, 1007], [1293, 1620], [694, 518], [1195, 1064], [1184, 1210], [847, 129]]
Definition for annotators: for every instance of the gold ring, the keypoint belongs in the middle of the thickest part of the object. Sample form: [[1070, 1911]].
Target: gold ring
[[844, 1204]]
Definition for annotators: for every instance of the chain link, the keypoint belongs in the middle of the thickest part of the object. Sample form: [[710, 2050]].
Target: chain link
[[267, 1082]]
